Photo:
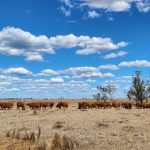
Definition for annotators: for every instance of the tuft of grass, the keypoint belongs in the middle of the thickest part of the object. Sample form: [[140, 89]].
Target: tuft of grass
[[58, 125], [23, 134], [35, 112], [42, 146], [102, 124], [63, 142]]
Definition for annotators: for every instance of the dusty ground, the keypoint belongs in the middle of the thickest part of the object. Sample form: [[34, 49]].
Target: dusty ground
[[97, 129]]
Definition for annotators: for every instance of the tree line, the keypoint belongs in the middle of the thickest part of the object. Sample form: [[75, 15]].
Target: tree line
[[139, 90]]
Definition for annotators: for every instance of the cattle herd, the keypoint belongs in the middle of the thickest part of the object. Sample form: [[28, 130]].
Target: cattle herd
[[38, 105]]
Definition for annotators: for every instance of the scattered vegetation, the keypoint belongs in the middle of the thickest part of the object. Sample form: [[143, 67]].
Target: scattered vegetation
[[140, 90], [58, 125], [23, 139], [105, 92], [63, 142], [23, 134]]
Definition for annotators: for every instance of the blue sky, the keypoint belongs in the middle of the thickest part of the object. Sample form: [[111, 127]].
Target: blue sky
[[65, 48]]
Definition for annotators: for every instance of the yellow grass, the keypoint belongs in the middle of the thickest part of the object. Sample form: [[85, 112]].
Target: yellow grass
[[94, 129]]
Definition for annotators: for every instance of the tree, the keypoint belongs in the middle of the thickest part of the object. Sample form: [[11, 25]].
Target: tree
[[111, 88], [139, 90], [105, 92]]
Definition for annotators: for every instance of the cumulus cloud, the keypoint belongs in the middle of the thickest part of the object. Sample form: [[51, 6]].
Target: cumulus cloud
[[115, 55], [93, 14], [143, 5], [17, 71], [93, 7], [108, 67], [116, 5], [34, 58], [89, 45], [15, 42], [85, 72], [136, 63], [57, 80], [47, 72], [79, 70]]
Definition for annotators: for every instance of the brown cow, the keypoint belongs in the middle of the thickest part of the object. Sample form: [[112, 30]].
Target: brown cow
[[34, 105], [86, 105], [81, 105], [20, 105], [106, 105], [127, 105], [147, 105], [46, 104], [116, 104], [6, 105], [62, 105], [140, 105], [99, 105]]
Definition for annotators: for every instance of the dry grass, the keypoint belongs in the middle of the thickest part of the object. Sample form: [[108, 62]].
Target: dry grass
[[63, 142], [58, 125], [94, 129]]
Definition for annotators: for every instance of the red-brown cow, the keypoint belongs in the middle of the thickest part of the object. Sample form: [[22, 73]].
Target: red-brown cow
[[62, 105], [34, 105], [6, 105], [21, 105], [47, 105], [116, 104], [127, 105]]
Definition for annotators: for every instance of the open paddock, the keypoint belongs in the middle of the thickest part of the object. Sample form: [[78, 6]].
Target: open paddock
[[92, 129]]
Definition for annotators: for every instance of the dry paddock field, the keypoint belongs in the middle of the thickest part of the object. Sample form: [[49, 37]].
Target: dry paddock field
[[91, 129]]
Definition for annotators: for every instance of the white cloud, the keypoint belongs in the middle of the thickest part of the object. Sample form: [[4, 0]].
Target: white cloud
[[37, 58], [64, 41], [67, 3], [17, 71], [109, 5], [93, 7], [4, 83], [15, 42], [85, 72], [143, 5], [79, 70], [108, 67], [65, 11], [127, 77], [110, 18], [116, 5], [90, 81], [89, 45], [136, 63], [93, 75], [93, 14], [57, 80], [115, 55], [89, 75], [47, 72], [120, 6], [12, 90]]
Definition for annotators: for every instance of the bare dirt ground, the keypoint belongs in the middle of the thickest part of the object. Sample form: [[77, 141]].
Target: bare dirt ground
[[93, 129]]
